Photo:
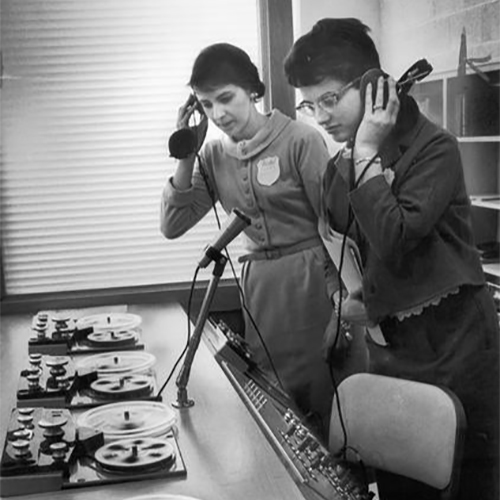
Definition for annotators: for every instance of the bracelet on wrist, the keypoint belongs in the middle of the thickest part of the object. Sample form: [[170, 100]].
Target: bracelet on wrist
[[366, 159]]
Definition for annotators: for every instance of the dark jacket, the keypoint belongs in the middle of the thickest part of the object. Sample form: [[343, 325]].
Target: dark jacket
[[412, 224]]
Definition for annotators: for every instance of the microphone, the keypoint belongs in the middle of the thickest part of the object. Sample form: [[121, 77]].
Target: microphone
[[183, 143], [235, 224]]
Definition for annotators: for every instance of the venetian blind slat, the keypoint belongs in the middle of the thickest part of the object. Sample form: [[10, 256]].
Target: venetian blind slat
[[89, 98]]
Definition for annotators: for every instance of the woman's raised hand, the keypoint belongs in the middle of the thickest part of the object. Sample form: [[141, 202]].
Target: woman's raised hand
[[186, 111], [379, 118]]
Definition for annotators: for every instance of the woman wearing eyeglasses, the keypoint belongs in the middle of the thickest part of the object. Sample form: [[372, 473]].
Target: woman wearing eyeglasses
[[397, 189], [270, 168]]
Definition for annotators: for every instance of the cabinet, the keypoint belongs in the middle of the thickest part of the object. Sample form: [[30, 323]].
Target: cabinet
[[468, 106]]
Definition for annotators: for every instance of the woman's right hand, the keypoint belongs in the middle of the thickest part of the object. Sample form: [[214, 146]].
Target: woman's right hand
[[378, 119], [186, 111]]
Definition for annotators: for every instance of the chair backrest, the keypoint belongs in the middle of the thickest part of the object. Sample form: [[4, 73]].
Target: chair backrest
[[400, 426]]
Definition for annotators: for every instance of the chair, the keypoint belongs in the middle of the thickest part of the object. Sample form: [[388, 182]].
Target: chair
[[408, 428]]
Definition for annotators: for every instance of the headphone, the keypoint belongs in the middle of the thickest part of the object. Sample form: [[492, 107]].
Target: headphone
[[416, 72]]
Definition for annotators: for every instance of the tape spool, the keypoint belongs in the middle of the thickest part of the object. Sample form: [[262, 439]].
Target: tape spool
[[112, 363], [112, 338], [110, 321], [131, 419], [137, 454], [129, 386]]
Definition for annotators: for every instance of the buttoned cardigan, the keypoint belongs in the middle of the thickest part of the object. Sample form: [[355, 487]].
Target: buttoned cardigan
[[413, 226]]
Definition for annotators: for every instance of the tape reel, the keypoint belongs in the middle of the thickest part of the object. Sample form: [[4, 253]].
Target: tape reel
[[127, 420], [129, 386], [111, 321], [112, 338], [137, 454], [117, 363]]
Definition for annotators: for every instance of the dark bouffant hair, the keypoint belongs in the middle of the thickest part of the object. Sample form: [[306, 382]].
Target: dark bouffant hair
[[334, 48], [223, 64]]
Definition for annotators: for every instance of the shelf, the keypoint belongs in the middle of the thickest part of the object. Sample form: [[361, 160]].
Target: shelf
[[483, 138], [486, 201], [468, 107]]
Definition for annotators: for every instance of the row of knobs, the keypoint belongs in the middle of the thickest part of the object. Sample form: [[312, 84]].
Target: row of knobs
[[52, 430], [41, 326], [320, 461], [307, 444], [57, 367]]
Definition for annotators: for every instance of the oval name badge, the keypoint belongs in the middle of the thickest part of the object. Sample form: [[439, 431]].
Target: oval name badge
[[268, 170]]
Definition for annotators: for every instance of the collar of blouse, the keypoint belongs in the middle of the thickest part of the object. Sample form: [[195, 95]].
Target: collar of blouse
[[246, 149]]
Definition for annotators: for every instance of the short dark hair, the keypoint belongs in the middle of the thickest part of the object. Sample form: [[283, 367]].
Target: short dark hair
[[333, 48], [222, 64]]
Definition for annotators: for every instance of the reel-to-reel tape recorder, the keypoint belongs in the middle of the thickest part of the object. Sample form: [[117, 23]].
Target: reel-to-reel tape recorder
[[70, 382], [49, 449], [60, 335]]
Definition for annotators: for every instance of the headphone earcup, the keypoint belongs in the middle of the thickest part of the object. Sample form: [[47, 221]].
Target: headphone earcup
[[183, 143], [372, 76]]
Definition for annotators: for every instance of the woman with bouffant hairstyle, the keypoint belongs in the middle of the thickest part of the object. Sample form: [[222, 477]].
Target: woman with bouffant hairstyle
[[270, 168], [397, 189]]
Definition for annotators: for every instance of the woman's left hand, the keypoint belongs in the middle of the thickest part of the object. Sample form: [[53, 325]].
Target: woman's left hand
[[354, 309], [378, 119]]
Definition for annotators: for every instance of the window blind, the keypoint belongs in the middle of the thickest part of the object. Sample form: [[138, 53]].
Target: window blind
[[90, 96]]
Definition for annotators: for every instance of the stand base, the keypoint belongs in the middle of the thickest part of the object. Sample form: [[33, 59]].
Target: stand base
[[183, 404], [182, 399]]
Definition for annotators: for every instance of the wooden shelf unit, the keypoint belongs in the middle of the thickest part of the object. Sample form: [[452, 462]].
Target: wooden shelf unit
[[469, 107]]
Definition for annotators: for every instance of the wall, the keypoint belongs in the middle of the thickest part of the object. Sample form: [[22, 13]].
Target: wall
[[407, 30], [432, 28], [307, 12]]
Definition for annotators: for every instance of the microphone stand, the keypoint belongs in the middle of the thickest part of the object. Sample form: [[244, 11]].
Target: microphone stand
[[182, 379]]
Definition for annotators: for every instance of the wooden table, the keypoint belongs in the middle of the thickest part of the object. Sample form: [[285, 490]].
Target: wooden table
[[226, 455]]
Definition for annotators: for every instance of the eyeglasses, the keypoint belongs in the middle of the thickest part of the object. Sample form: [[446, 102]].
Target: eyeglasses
[[327, 101]]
